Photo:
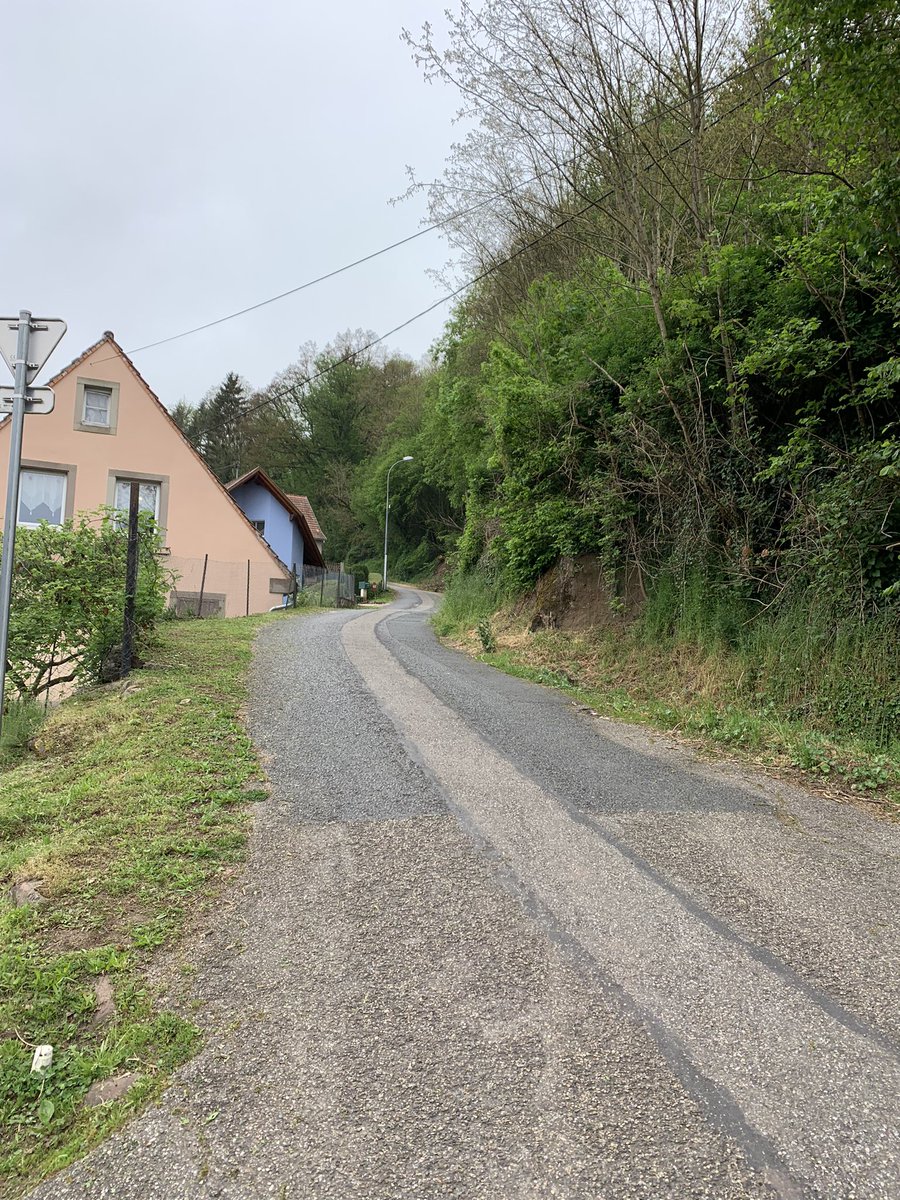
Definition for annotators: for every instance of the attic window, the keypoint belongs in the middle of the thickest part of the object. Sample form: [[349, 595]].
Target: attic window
[[97, 403], [96, 406], [259, 526]]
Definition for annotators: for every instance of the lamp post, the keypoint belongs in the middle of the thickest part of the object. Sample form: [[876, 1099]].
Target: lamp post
[[387, 505]]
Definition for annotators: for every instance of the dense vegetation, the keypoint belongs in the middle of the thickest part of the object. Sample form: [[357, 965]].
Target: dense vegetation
[[68, 600], [681, 352]]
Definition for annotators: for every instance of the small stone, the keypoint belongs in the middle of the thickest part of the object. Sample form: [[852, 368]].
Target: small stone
[[106, 1005], [114, 1088], [186, 700], [26, 892]]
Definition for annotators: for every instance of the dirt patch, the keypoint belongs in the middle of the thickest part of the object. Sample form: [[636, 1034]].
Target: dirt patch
[[579, 594]]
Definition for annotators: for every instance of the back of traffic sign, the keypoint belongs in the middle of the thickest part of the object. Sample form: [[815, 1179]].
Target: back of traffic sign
[[37, 400], [45, 336]]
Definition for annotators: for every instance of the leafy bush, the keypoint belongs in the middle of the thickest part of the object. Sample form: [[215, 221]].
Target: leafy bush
[[68, 598], [486, 634]]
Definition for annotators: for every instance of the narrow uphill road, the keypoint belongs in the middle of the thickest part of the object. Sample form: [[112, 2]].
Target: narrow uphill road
[[491, 947]]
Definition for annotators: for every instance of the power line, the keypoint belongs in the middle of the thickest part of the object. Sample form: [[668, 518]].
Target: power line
[[458, 215], [310, 379]]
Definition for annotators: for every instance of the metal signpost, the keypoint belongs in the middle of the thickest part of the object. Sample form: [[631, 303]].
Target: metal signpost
[[25, 346]]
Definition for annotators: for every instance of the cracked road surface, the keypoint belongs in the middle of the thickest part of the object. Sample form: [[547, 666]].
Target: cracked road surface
[[490, 946]]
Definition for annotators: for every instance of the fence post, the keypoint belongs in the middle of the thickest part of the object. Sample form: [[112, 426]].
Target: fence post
[[202, 586], [322, 591], [248, 587], [131, 571], [294, 579]]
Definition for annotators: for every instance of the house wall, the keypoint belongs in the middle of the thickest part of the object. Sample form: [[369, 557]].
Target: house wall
[[260, 505], [281, 532], [197, 516], [296, 560]]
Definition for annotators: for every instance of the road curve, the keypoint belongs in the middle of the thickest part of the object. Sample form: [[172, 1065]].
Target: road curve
[[489, 946]]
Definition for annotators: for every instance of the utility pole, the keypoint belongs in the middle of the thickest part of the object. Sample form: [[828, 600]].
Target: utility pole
[[387, 506]]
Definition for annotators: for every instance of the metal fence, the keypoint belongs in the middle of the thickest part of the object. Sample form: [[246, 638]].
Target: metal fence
[[331, 587], [208, 587]]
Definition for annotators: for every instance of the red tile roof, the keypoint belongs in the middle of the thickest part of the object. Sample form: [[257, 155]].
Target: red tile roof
[[303, 504]]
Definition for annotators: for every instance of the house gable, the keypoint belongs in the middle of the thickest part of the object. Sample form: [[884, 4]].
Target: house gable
[[198, 519], [255, 490]]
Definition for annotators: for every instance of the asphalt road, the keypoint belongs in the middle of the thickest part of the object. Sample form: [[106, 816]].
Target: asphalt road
[[489, 946]]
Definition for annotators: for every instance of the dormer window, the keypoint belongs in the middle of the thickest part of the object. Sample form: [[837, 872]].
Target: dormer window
[[97, 402], [96, 406]]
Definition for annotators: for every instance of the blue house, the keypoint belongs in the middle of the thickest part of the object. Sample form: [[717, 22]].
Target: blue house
[[279, 519]]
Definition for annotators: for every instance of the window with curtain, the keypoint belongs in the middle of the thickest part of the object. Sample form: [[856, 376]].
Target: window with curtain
[[42, 497], [96, 406], [148, 501]]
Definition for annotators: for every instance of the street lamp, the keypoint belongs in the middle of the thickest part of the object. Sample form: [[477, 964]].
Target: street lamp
[[387, 504]]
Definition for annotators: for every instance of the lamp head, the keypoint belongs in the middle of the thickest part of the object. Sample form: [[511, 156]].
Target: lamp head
[[407, 458]]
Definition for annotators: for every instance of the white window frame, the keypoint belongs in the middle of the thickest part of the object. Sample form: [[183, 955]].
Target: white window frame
[[82, 387], [144, 482], [60, 474], [89, 393]]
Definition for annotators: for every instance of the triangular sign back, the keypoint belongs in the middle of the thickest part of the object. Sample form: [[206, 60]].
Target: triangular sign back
[[46, 334]]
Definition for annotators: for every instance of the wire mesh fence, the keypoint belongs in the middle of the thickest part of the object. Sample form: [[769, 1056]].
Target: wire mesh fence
[[330, 587], [209, 587]]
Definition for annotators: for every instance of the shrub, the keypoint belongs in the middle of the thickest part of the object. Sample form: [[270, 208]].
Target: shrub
[[68, 598]]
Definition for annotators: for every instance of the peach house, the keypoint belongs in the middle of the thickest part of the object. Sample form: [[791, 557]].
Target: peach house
[[107, 430]]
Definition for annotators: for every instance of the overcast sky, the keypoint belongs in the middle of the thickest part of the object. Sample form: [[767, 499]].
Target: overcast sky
[[181, 159]]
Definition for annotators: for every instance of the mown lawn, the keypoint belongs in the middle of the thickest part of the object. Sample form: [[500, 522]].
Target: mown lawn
[[132, 809]]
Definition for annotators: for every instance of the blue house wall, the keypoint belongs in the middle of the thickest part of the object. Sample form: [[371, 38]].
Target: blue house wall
[[282, 533]]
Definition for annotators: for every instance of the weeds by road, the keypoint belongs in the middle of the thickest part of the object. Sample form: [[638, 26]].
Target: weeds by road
[[695, 692], [132, 808]]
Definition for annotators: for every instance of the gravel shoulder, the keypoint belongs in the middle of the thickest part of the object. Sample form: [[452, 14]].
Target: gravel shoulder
[[485, 948]]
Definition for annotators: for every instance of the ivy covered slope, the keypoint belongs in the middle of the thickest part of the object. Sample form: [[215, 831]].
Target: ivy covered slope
[[700, 389]]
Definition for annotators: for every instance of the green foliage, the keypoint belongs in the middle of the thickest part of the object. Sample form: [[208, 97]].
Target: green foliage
[[469, 599], [68, 598], [21, 721], [219, 427], [696, 381], [486, 635]]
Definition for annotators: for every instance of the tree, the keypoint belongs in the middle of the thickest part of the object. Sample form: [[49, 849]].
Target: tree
[[218, 427]]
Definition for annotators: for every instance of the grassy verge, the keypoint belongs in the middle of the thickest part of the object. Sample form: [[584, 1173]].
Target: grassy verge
[[697, 689], [384, 597], [131, 810]]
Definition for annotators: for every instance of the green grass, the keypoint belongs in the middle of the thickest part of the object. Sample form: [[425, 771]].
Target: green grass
[[21, 721], [468, 599], [385, 597], [850, 765], [132, 811]]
